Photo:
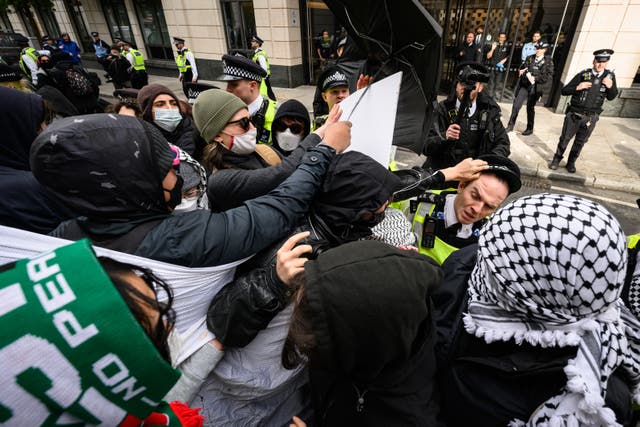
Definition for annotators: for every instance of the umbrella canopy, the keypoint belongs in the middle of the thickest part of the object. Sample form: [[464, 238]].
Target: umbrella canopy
[[397, 35]]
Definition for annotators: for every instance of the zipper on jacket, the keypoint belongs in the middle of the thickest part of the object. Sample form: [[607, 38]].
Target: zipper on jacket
[[360, 402]]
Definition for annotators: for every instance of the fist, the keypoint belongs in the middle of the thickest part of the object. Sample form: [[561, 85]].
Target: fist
[[338, 136], [453, 132]]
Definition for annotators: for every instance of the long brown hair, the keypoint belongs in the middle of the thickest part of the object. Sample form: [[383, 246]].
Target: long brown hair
[[300, 340], [212, 156]]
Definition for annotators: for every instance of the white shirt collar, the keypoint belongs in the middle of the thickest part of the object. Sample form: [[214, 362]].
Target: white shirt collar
[[255, 105], [597, 74], [472, 107], [450, 218]]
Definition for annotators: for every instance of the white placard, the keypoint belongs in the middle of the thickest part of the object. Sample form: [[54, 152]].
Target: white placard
[[373, 118]]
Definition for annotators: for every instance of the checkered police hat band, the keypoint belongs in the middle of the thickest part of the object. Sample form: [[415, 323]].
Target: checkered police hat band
[[232, 70], [335, 77]]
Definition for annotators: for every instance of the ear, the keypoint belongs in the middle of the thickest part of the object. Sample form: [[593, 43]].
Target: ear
[[324, 97], [480, 87], [462, 185]]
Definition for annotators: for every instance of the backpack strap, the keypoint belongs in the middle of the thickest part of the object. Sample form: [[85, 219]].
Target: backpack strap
[[268, 154]]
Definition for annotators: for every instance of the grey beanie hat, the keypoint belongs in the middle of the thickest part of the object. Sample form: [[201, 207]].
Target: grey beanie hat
[[212, 111]]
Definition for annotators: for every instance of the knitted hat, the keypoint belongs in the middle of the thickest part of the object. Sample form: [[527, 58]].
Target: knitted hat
[[294, 108], [148, 94], [212, 111]]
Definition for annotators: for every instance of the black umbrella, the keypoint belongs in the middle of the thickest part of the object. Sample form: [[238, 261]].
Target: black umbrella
[[397, 35]]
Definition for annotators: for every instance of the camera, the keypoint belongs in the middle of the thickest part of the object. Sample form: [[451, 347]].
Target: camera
[[318, 246], [471, 73]]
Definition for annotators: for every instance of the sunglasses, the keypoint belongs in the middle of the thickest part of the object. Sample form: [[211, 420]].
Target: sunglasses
[[296, 128], [244, 123]]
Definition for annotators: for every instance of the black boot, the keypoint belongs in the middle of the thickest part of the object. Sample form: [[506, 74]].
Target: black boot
[[527, 131], [571, 161], [571, 167], [509, 128], [553, 165]]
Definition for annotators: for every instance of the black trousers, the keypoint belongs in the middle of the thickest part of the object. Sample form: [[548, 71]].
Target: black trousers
[[187, 76], [523, 95], [579, 125], [495, 83]]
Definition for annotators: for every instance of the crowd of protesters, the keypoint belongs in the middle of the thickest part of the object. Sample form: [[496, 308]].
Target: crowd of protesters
[[345, 293]]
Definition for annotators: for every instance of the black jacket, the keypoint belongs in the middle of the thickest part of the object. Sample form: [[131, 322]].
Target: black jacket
[[483, 133], [373, 363], [491, 384], [229, 188], [543, 73], [121, 193]]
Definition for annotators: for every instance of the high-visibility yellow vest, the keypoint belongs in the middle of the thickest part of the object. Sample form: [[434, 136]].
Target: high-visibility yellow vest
[[181, 61], [633, 241], [440, 250], [31, 53], [262, 53], [138, 59]]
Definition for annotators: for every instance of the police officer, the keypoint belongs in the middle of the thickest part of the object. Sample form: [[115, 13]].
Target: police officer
[[261, 58], [535, 71], [497, 59], [243, 77], [29, 64], [474, 131], [334, 88], [139, 77], [447, 220], [588, 90], [186, 63], [102, 49]]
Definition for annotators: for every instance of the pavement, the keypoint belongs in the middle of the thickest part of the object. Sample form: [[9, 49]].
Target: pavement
[[610, 160]]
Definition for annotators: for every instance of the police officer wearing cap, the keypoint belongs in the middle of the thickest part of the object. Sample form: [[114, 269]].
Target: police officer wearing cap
[[186, 63], [102, 50], [467, 124], [535, 72], [243, 77], [588, 90], [261, 58], [447, 220], [334, 88], [29, 64], [138, 71]]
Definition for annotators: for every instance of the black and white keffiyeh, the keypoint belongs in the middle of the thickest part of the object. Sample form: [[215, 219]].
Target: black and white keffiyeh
[[550, 272], [203, 200]]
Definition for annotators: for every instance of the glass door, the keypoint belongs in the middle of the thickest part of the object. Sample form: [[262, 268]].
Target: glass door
[[117, 19], [239, 24], [154, 29], [322, 30]]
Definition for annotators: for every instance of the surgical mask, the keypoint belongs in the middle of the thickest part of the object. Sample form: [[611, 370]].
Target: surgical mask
[[167, 118], [175, 194], [288, 140], [188, 204], [245, 143]]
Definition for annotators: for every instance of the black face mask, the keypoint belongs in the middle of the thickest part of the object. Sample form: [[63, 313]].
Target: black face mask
[[175, 194]]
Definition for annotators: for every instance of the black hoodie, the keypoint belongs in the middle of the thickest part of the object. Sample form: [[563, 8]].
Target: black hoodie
[[373, 363]]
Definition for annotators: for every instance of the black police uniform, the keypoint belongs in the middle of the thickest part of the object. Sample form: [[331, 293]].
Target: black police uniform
[[497, 75], [542, 70], [481, 133], [584, 109]]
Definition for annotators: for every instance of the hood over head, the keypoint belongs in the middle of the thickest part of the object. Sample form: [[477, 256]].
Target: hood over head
[[354, 184], [369, 302], [148, 94], [108, 167], [21, 114]]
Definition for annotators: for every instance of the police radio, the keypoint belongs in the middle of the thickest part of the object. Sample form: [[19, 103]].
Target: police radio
[[429, 232]]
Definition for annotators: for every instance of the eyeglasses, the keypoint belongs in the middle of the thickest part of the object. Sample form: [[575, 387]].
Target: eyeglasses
[[244, 123], [296, 128]]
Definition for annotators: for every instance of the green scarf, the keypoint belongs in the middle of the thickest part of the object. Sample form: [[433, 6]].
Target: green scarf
[[71, 352]]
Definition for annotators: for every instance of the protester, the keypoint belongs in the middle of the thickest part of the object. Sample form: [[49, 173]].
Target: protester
[[126, 330], [161, 107], [118, 69], [291, 125], [25, 204], [118, 172], [241, 168], [69, 48], [529, 325], [355, 192], [125, 108], [362, 321]]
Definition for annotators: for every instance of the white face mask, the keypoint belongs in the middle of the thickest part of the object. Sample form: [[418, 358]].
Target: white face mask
[[187, 205], [244, 143], [288, 140], [167, 118]]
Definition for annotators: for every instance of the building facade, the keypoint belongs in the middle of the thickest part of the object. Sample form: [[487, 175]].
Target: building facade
[[292, 31]]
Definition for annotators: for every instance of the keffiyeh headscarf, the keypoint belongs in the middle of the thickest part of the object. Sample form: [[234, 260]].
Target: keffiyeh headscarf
[[550, 270]]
